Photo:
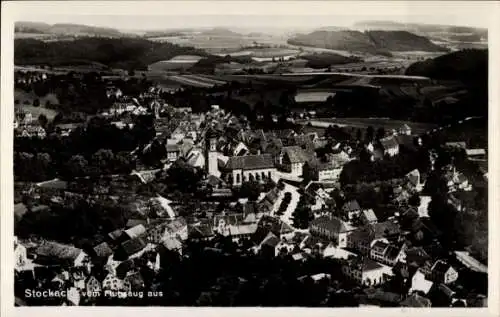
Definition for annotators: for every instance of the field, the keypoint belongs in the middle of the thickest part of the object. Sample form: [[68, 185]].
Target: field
[[220, 44], [26, 104], [313, 95], [176, 63], [363, 123]]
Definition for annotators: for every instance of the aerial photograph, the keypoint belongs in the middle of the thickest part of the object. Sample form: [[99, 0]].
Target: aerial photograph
[[244, 161]]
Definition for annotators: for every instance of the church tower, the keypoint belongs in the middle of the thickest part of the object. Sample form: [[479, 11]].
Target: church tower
[[211, 153]]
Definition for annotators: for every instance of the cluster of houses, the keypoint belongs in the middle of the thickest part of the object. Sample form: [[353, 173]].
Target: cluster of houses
[[372, 250]]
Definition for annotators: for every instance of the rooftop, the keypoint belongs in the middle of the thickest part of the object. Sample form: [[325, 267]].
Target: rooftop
[[250, 162]]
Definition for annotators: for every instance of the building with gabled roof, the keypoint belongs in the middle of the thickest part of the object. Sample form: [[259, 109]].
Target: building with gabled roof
[[442, 272], [239, 169], [416, 301], [292, 159], [365, 271], [331, 228], [389, 145]]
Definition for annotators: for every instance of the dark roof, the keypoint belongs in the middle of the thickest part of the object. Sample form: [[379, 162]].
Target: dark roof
[[133, 246], [135, 222], [389, 142], [115, 234], [250, 162], [391, 252], [440, 267], [462, 145], [103, 250], [351, 206], [417, 255], [382, 229], [448, 292], [381, 245], [19, 210], [329, 223], [416, 300], [200, 231], [136, 280], [123, 268], [270, 240], [58, 251], [364, 263], [173, 148], [295, 154], [407, 141]]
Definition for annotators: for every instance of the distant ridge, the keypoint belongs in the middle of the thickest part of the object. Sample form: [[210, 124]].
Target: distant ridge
[[369, 41]]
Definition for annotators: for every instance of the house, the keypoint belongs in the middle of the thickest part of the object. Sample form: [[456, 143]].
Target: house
[[173, 151], [130, 248], [234, 225], [413, 180], [405, 129], [103, 251], [416, 301], [419, 283], [442, 272], [239, 169], [58, 253], [389, 145], [456, 145], [20, 255], [331, 228], [475, 152], [292, 159], [270, 244], [135, 231], [200, 232], [361, 238], [365, 271], [172, 244], [92, 286], [383, 252], [135, 280], [20, 210], [351, 210], [240, 149], [114, 284], [161, 230], [368, 216]]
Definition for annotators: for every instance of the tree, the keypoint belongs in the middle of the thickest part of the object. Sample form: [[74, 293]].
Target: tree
[[103, 161], [359, 134], [380, 133], [36, 103], [369, 134], [302, 215], [42, 119], [250, 190], [77, 166]]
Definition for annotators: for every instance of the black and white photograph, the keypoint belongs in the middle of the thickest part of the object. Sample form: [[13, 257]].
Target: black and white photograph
[[335, 158]]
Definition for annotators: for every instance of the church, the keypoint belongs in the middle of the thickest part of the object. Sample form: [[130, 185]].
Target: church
[[238, 169]]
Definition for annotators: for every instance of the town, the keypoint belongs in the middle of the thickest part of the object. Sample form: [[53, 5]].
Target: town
[[129, 193]]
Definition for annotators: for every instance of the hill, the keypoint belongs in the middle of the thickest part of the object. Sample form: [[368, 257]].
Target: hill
[[124, 53], [402, 41], [446, 32], [65, 29], [469, 66], [220, 32], [368, 42]]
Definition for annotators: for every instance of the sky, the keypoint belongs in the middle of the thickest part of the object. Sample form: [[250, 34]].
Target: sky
[[255, 14]]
